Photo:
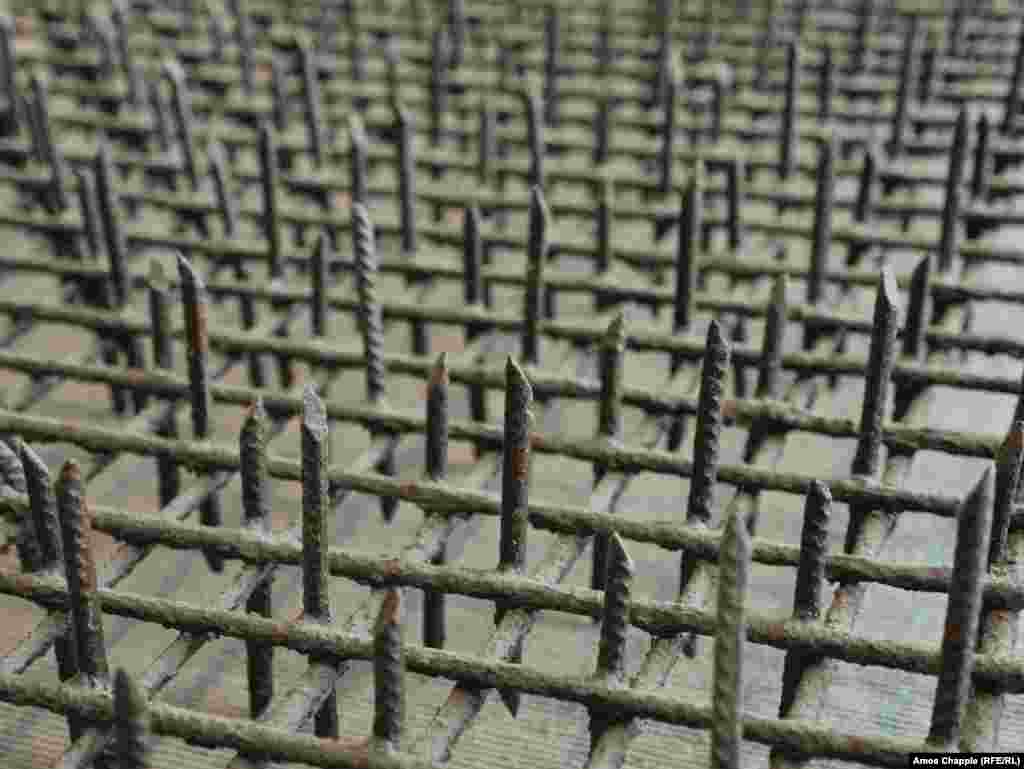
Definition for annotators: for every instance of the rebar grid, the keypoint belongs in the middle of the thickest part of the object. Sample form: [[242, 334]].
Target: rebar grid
[[762, 137]]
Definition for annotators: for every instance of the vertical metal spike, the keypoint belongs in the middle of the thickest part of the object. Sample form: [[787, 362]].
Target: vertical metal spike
[[57, 197], [611, 660], [770, 370], [864, 205], [269, 183], [243, 39], [963, 612], [1012, 101], [488, 147], [175, 77], [790, 112], [11, 119], [404, 128], [107, 197], [392, 61], [358, 151], [929, 66], [316, 603], [318, 280], [315, 129], [515, 476], [727, 700], [552, 53], [609, 423], [706, 438], [860, 59], [535, 142], [12, 477], [602, 129], [826, 85], [168, 474], [881, 358], [734, 222], [370, 317], [821, 239], [948, 242], [907, 77], [255, 513], [225, 203], [161, 117], [668, 130], [457, 31], [810, 580], [389, 672], [438, 86], [981, 173], [44, 537], [80, 570], [918, 310], [89, 211], [130, 749], [472, 285], [687, 257], [536, 256], [605, 215], [717, 107], [1008, 473], [437, 470], [193, 295], [278, 94]]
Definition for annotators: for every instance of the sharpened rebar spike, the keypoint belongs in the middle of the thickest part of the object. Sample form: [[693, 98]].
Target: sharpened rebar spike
[[535, 141], [434, 633], [906, 81], [790, 113], [89, 209], [981, 173], [881, 358], [12, 477], [810, 580], [438, 86], [175, 77], [487, 150], [161, 116], [515, 476], [1012, 101], [315, 130], [948, 242], [668, 130], [130, 748], [536, 255], [243, 39], [727, 698], [197, 342], [11, 120], [278, 94], [602, 129], [918, 310], [114, 237], [404, 131], [603, 230], [457, 31], [1008, 473], [734, 216], [963, 612], [472, 251], [826, 85], [371, 321], [57, 198], [609, 423], [709, 425], [389, 672], [80, 571], [225, 203], [255, 514], [43, 509], [864, 206], [821, 238], [358, 150], [770, 371], [552, 53], [160, 303], [611, 660], [318, 280], [691, 217], [315, 597], [269, 184], [717, 107]]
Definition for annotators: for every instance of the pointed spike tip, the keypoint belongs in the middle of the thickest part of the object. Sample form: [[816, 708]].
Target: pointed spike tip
[[439, 375], [314, 415], [889, 291], [515, 376]]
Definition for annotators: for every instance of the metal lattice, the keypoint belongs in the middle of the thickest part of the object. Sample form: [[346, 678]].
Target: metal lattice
[[790, 217]]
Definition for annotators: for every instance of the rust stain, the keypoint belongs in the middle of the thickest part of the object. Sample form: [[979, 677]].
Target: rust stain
[[1000, 617], [200, 342], [520, 463], [355, 749], [392, 567], [23, 27], [776, 632], [262, 73], [455, 216], [408, 488], [840, 600], [954, 632], [730, 408], [342, 201]]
